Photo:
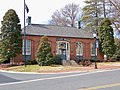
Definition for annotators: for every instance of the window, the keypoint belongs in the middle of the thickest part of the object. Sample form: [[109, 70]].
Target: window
[[79, 48], [60, 45], [63, 49], [28, 47], [92, 49]]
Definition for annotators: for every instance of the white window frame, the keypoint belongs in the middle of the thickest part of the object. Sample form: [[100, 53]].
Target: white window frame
[[93, 49], [58, 46], [28, 47], [66, 46], [79, 48]]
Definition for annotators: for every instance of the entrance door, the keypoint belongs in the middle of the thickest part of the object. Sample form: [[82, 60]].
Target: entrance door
[[63, 49], [63, 54]]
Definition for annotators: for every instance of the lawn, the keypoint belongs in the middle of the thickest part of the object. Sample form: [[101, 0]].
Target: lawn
[[60, 68], [36, 68], [109, 63]]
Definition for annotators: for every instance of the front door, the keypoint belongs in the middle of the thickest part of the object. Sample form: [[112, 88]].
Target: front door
[[63, 49], [63, 54]]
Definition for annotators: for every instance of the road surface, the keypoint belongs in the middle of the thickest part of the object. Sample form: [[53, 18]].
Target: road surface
[[93, 80]]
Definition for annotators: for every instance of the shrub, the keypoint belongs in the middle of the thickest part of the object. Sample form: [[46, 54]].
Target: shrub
[[86, 62], [30, 62], [44, 54], [33, 62], [2, 60], [56, 60], [116, 56]]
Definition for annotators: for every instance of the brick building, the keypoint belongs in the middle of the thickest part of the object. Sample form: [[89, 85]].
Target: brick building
[[68, 42]]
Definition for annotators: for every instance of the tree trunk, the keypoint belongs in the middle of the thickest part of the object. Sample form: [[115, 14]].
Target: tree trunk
[[104, 9]]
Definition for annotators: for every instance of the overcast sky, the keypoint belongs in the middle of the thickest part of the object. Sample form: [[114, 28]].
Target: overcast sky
[[39, 10]]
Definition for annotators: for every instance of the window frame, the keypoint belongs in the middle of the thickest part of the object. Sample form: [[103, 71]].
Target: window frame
[[80, 48], [28, 48], [93, 50]]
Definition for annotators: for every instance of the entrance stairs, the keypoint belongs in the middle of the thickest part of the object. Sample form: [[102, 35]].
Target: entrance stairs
[[69, 63]]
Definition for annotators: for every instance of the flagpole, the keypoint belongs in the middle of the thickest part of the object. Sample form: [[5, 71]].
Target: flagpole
[[24, 38]]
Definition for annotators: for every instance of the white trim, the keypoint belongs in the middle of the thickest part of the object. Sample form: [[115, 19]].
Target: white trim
[[81, 49], [67, 47], [92, 45], [27, 48]]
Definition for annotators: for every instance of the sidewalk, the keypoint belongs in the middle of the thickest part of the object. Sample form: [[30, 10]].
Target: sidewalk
[[91, 68]]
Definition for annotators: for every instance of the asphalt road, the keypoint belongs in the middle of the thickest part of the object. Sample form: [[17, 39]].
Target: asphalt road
[[94, 80]]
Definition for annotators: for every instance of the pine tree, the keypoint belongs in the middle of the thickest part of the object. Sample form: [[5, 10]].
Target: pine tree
[[93, 13], [11, 43], [43, 54], [90, 14], [106, 38], [116, 56]]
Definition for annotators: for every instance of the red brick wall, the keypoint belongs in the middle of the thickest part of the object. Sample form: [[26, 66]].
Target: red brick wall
[[86, 47]]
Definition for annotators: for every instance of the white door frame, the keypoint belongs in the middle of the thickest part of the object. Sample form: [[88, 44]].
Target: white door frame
[[66, 47]]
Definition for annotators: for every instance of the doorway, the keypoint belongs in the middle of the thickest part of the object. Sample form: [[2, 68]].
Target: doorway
[[63, 49]]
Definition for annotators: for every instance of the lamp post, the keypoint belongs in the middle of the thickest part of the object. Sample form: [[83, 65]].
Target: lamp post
[[94, 35]]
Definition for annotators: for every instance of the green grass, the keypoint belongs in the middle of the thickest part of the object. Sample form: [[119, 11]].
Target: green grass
[[28, 68], [36, 68], [55, 68], [108, 63]]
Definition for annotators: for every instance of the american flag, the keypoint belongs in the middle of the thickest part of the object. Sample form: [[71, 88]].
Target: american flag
[[26, 7]]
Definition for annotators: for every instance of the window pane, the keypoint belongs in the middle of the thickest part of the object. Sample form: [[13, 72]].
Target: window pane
[[79, 48], [92, 49], [28, 47]]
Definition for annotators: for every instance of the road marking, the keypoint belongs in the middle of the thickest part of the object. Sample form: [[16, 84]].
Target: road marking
[[4, 84], [102, 86], [28, 81]]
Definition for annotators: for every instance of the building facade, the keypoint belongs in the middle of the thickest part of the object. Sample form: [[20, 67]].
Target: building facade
[[68, 42]]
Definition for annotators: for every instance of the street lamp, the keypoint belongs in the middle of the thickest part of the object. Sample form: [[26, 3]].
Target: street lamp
[[94, 35]]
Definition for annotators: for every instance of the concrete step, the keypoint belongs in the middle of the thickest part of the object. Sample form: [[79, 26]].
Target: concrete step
[[69, 63]]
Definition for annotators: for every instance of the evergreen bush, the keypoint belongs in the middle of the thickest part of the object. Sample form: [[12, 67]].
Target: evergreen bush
[[44, 54], [57, 60]]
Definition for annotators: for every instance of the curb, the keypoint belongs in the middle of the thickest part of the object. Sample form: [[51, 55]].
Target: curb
[[97, 70]]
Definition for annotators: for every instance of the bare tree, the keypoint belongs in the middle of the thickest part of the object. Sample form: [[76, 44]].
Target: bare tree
[[116, 4], [66, 15], [58, 19]]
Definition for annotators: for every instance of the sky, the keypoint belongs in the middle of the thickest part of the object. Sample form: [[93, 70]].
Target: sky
[[39, 10]]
